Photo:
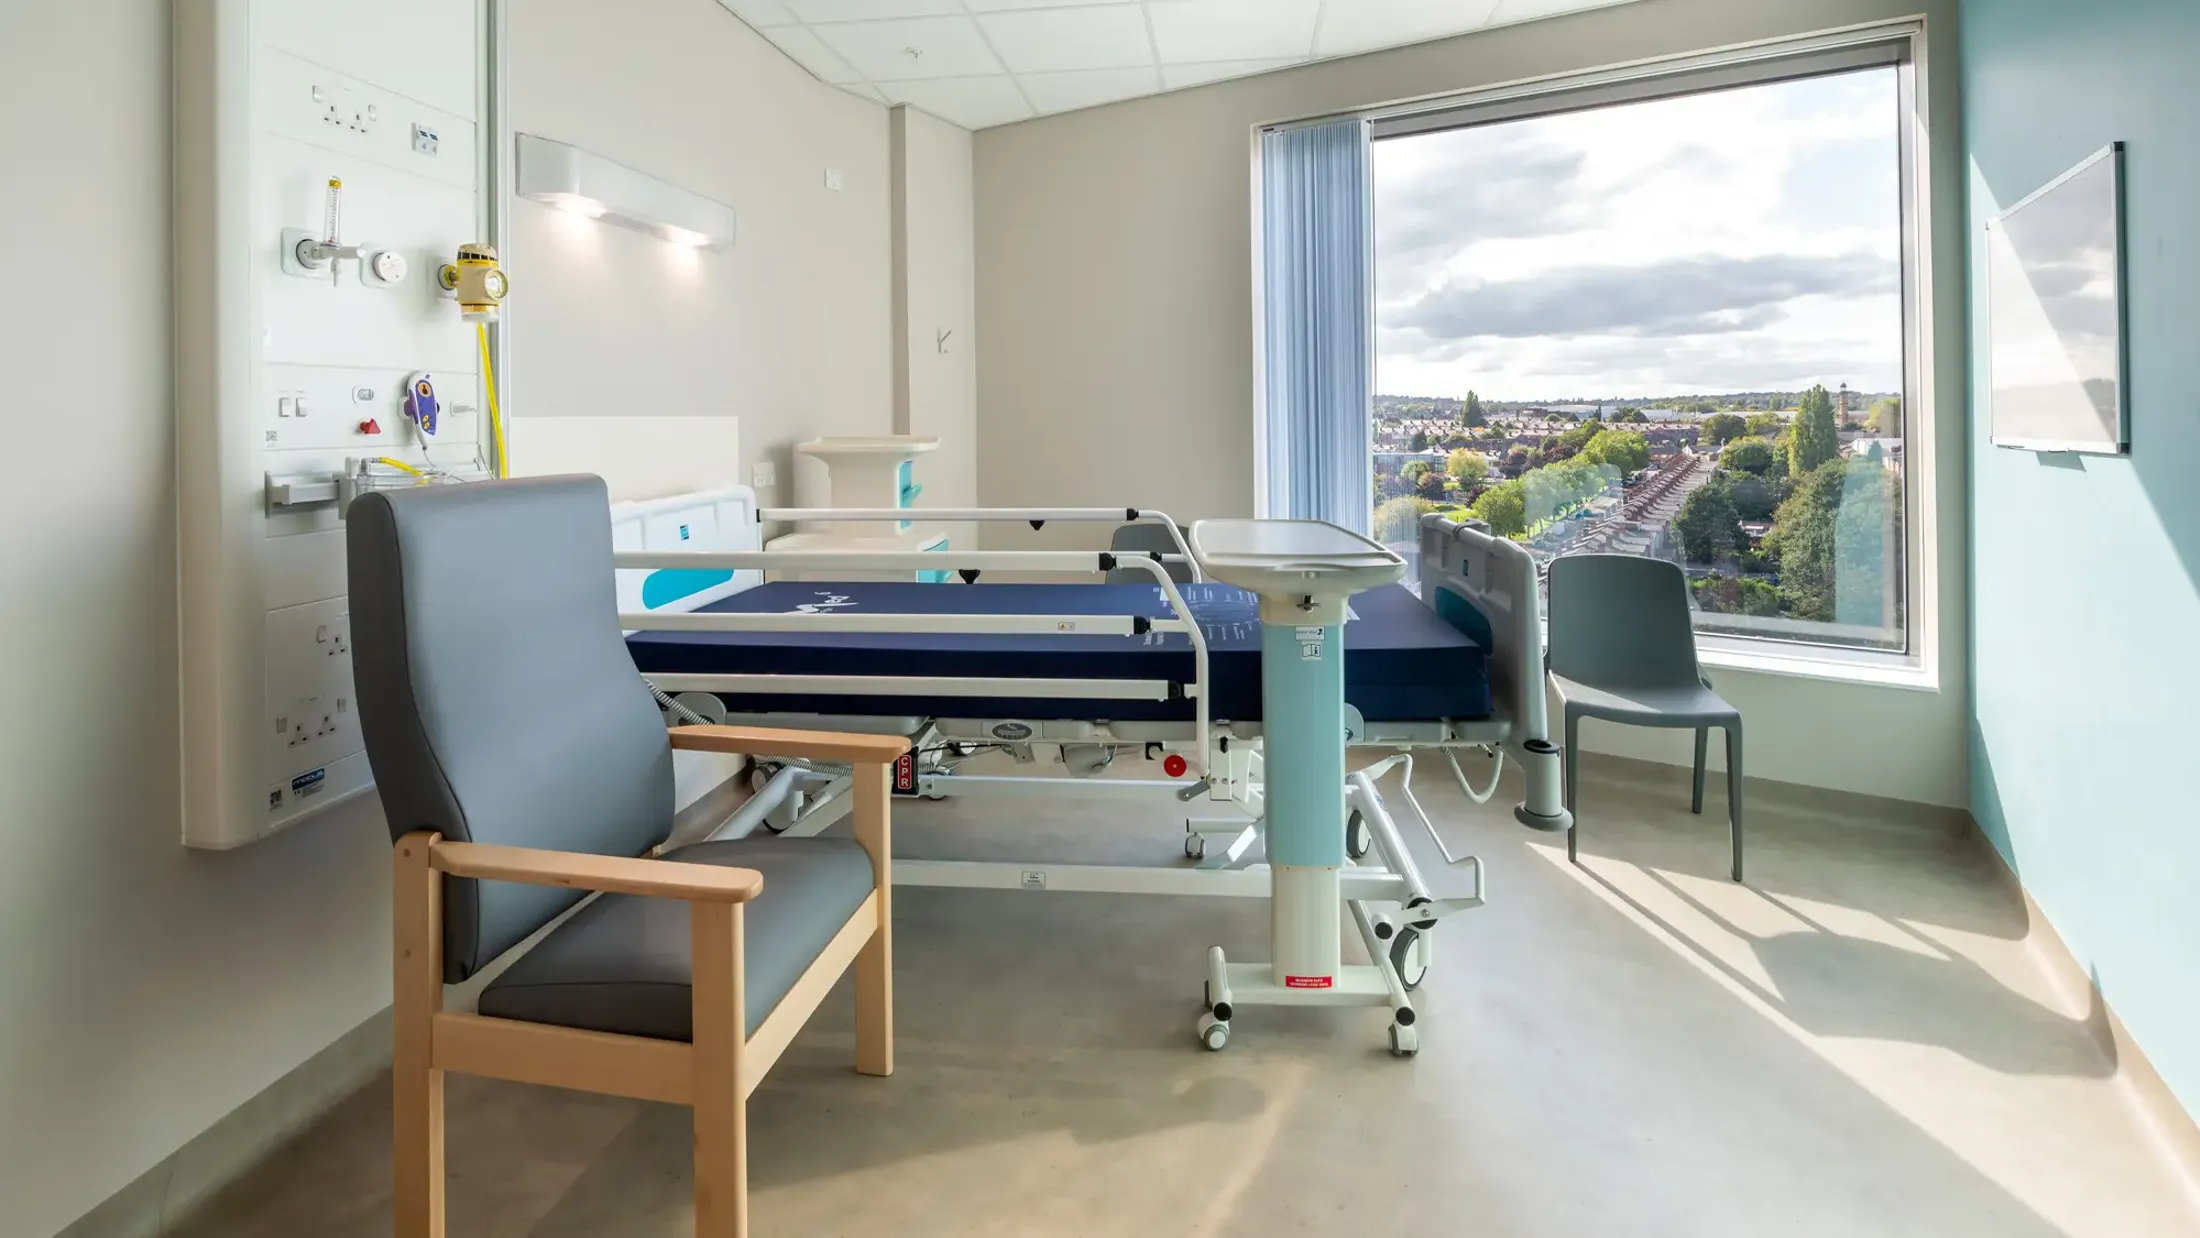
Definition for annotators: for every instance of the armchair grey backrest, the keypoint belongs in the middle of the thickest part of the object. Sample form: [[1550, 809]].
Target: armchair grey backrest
[[510, 712], [1622, 647]]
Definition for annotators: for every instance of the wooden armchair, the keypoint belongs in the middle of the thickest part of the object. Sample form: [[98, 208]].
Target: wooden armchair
[[522, 768]]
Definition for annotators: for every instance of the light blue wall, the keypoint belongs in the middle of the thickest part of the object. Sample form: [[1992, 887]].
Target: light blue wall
[[2086, 645]]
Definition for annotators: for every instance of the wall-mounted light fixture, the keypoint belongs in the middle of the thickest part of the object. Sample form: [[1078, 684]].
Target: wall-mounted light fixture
[[572, 179]]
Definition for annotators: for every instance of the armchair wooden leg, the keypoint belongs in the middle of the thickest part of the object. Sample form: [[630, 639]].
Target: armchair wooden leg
[[875, 965], [721, 1094], [416, 1154]]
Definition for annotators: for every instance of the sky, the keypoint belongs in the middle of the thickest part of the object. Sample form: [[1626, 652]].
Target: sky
[[1737, 241]]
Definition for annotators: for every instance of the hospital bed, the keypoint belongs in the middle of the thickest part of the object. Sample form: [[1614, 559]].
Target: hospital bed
[[1048, 667]]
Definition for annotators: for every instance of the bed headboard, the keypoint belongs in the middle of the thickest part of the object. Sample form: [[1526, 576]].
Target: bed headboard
[[720, 519], [1488, 587]]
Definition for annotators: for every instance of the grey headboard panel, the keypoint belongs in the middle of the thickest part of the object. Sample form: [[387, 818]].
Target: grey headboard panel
[[1494, 580]]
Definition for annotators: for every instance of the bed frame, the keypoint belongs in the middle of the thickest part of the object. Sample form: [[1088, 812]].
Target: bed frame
[[678, 554]]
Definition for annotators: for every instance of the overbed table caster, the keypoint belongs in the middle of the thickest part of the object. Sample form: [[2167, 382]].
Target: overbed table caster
[[1213, 1025]]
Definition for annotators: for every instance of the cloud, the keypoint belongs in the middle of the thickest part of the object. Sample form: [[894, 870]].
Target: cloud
[[1693, 295], [1472, 186]]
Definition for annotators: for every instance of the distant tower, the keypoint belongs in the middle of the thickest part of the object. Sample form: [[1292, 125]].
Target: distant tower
[[1844, 417]]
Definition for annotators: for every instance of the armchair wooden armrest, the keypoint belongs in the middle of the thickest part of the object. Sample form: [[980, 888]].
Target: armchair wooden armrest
[[695, 883], [766, 741]]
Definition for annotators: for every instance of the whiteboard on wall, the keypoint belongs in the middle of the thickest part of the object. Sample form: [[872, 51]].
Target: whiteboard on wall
[[638, 457], [2055, 314]]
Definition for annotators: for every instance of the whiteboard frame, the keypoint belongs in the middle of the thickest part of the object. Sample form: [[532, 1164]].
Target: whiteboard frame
[[2113, 152]]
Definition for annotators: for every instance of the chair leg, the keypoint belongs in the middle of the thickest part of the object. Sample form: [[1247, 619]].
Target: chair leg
[[1734, 792], [721, 1093], [1703, 743], [1573, 778], [416, 1151], [875, 965]]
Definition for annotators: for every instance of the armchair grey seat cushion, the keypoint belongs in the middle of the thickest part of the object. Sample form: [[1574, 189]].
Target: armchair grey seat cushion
[[621, 964]]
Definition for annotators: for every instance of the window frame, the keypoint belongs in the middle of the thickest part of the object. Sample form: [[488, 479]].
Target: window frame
[[1901, 46]]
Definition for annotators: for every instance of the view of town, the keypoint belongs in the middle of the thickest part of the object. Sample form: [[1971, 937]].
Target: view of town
[[1784, 508], [1671, 327]]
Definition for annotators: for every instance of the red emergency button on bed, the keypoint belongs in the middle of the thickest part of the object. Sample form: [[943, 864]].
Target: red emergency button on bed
[[1174, 765]]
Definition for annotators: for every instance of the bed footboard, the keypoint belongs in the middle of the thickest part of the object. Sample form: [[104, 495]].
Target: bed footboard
[[1487, 586]]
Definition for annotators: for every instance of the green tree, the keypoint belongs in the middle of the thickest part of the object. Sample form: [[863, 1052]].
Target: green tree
[[1832, 536], [1721, 428], [1399, 519], [1817, 434], [1764, 425], [1432, 486], [1569, 444], [1470, 412], [1632, 416], [1755, 498], [1504, 508], [1469, 466], [1419, 441], [1732, 595], [1748, 455], [1707, 523], [1624, 450], [1415, 470], [1885, 417], [1517, 460]]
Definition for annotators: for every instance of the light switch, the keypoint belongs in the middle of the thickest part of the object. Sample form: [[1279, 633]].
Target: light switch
[[284, 406], [832, 179], [301, 406]]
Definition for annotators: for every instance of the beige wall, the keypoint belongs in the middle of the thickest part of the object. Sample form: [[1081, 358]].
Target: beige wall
[[936, 381], [789, 329], [146, 990], [1114, 275]]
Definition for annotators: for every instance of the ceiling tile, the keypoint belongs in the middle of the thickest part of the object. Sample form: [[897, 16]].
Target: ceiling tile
[[1052, 40], [1510, 11], [1178, 76], [916, 48], [1189, 31], [761, 13], [810, 52], [1003, 6], [972, 102], [1063, 92], [869, 10], [1350, 28]]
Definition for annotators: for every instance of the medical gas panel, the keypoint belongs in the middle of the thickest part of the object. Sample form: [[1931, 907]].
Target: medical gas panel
[[329, 165]]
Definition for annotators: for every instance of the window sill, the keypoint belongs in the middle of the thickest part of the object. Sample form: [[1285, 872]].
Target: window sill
[[1873, 670]]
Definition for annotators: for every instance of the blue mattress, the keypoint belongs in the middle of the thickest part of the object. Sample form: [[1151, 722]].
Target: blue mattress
[[1402, 663]]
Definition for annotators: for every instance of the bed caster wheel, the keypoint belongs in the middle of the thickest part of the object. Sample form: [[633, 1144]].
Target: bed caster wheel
[[1213, 1033], [1195, 846], [1409, 955], [1405, 1041], [1358, 839]]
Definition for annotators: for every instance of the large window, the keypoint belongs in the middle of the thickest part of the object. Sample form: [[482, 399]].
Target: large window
[[1671, 319]]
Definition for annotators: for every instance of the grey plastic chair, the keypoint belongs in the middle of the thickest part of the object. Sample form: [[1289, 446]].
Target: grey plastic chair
[[522, 765], [1622, 647], [1144, 537]]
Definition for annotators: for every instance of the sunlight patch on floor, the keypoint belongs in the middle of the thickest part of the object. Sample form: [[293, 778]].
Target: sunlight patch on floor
[[1988, 1116]]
